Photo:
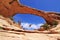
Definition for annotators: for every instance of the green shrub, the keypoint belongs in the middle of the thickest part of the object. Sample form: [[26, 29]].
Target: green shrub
[[46, 26], [1, 27], [55, 23]]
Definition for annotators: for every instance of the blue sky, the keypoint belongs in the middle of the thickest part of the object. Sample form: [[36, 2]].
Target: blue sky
[[27, 19]]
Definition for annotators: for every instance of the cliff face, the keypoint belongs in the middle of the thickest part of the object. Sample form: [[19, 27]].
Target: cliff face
[[11, 7]]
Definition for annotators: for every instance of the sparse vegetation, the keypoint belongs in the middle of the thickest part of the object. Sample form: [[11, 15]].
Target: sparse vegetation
[[1, 27], [55, 23], [45, 26]]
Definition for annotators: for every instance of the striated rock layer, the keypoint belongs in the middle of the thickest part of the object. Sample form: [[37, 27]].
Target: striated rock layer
[[9, 24], [11, 7], [19, 34], [28, 36]]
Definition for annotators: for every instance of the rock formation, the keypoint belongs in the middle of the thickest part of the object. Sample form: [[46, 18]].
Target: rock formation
[[13, 32], [4, 23], [11, 7], [54, 15], [16, 27]]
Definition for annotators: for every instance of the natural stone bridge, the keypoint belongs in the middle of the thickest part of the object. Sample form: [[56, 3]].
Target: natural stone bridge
[[11, 7]]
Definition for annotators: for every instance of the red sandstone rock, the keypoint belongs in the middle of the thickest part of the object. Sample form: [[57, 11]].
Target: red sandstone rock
[[11, 7]]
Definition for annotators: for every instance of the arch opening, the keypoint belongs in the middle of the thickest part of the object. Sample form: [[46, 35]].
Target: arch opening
[[29, 21]]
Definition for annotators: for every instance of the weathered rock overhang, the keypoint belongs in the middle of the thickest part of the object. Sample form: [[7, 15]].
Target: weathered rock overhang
[[11, 7]]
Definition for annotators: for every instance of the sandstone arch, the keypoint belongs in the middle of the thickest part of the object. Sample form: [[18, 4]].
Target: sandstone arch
[[11, 7]]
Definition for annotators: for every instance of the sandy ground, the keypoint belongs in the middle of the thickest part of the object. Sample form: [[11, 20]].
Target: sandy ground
[[28, 36]]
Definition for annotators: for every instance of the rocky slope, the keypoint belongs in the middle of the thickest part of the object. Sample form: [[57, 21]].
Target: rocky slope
[[15, 32], [28, 36]]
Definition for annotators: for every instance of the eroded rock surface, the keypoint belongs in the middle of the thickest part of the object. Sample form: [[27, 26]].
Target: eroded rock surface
[[11, 7], [20, 34], [6, 23], [28, 36]]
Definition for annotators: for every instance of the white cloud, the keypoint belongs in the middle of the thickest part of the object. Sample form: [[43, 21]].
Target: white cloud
[[33, 26], [36, 26], [25, 25]]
